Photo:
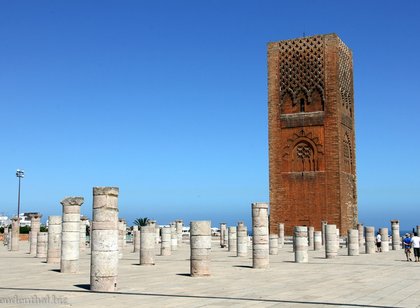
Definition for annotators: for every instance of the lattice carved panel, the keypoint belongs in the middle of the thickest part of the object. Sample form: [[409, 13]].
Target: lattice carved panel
[[345, 77]]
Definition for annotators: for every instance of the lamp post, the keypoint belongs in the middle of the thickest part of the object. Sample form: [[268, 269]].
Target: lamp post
[[20, 174]]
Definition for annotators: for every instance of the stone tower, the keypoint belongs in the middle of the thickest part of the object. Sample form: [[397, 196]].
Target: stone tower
[[311, 133]]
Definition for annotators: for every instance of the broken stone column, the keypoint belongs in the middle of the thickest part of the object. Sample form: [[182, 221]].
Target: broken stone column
[[300, 242], [317, 240], [281, 235], [54, 239], [178, 227], [70, 237], [14, 242], [274, 244], [121, 235], [33, 235], [360, 230], [41, 245], [125, 234], [384, 239], [6, 235], [174, 237], [200, 232], [166, 242], [83, 221], [353, 242], [396, 238], [147, 244], [242, 240], [223, 230], [323, 230], [232, 239], [370, 247], [418, 230], [104, 241], [311, 243], [260, 243], [331, 247], [136, 239]]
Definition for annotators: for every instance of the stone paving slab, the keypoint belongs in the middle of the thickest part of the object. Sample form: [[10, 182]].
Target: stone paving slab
[[378, 280]]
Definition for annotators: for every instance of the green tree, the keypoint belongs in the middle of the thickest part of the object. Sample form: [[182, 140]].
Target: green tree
[[141, 221]]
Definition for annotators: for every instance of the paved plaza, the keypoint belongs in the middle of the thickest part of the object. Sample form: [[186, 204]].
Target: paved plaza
[[376, 280]]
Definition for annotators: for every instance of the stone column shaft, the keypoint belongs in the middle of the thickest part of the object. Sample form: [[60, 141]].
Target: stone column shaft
[[121, 236], [274, 244], [33, 235], [384, 239], [300, 242], [104, 241], [200, 232], [14, 242], [370, 240], [41, 245], [147, 244], [242, 240], [396, 238], [223, 230], [260, 242], [174, 237], [83, 233], [136, 240], [232, 239], [317, 240], [70, 238], [331, 247], [178, 227], [281, 235], [166, 241], [54, 239], [311, 239], [360, 236], [353, 242]]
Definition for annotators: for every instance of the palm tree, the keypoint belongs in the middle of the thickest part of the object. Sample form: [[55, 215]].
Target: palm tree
[[141, 221]]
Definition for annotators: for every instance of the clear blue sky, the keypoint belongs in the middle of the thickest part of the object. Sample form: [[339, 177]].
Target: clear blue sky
[[168, 101]]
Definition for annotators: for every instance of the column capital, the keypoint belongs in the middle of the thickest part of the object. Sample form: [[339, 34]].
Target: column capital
[[72, 201]]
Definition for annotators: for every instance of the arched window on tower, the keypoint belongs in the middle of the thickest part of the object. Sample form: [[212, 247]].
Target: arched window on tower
[[302, 105]]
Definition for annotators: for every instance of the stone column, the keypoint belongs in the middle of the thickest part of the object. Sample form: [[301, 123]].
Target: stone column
[[54, 239], [323, 230], [178, 227], [418, 230], [353, 242], [242, 240], [317, 240], [83, 220], [223, 230], [166, 241], [384, 239], [174, 237], [121, 235], [136, 239], [232, 239], [274, 244], [260, 242], [360, 230], [200, 232], [14, 242], [331, 247], [147, 244], [6, 235], [41, 245], [300, 242], [396, 238], [281, 235], [311, 243], [104, 241], [370, 240], [70, 239], [33, 235], [125, 234]]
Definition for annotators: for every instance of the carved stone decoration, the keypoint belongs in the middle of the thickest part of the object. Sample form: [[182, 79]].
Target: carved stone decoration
[[303, 152], [345, 77], [301, 64]]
